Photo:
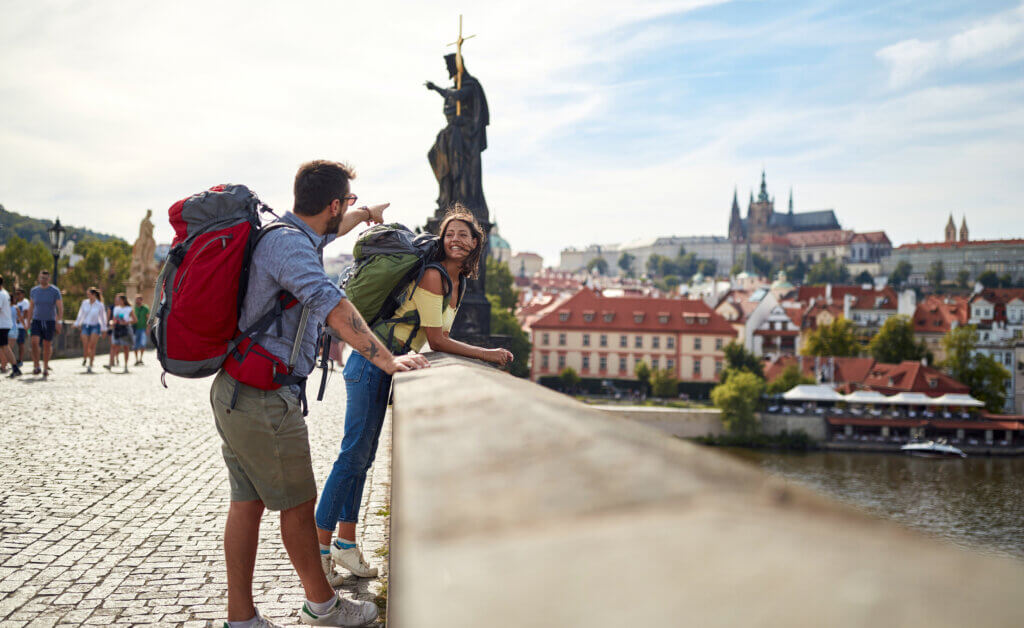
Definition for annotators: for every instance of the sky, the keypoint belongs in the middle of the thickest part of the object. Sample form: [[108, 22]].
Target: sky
[[610, 121]]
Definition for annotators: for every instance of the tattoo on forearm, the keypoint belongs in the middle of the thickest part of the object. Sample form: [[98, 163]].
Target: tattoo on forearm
[[371, 351], [357, 323]]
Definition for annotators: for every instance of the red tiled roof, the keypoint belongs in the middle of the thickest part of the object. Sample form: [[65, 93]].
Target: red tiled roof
[[846, 369], [819, 238], [810, 317], [864, 298], [872, 237], [889, 379], [957, 245], [936, 314], [684, 315]]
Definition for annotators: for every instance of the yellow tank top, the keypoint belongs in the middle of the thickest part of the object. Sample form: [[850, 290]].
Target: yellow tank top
[[428, 306]]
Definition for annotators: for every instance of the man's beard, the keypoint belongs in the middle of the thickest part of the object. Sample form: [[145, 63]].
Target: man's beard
[[334, 223]]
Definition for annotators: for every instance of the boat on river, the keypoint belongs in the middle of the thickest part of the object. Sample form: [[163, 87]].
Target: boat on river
[[933, 449]]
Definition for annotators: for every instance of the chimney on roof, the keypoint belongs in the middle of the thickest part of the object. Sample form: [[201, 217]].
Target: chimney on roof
[[828, 293], [847, 303]]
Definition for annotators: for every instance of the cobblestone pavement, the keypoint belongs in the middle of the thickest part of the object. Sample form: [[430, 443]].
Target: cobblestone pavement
[[113, 495]]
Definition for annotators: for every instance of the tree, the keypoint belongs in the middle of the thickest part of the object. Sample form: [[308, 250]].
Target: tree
[[569, 378], [626, 263], [797, 271], [895, 341], [762, 265], [21, 261], [989, 279], [900, 274], [664, 383], [963, 279], [737, 398], [936, 274], [501, 284], [104, 264], [668, 283], [864, 278], [738, 359], [707, 267], [981, 373], [791, 376], [643, 375], [598, 265], [1005, 280], [835, 339], [504, 323], [828, 270]]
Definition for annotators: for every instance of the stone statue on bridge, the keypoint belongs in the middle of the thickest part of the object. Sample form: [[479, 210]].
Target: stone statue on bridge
[[144, 270]]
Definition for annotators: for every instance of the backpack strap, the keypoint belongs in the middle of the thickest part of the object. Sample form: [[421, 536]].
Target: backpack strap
[[413, 317]]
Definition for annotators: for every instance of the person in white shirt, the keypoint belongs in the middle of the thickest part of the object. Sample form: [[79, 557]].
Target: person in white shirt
[[6, 324], [122, 321], [92, 320], [21, 305]]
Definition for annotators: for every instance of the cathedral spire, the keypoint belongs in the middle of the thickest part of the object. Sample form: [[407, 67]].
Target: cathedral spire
[[950, 229], [735, 222], [791, 199], [963, 230], [763, 196]]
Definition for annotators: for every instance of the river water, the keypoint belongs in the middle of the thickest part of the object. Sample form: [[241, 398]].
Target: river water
[[973, 502]]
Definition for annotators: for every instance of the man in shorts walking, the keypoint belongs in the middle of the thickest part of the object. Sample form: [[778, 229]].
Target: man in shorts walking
[[265, 440], [19, 309], [46, 313], [141, 317], [6, 325]]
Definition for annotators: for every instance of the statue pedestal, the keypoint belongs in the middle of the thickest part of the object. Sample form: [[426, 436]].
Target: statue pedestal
[[131, 289]]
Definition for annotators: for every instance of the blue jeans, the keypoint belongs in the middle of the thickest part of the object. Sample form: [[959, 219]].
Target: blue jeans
[[367, 389]]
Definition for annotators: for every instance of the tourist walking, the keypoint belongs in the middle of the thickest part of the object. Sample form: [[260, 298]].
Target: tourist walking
[[122, 322], [265, 440], [6, 325], [92, 321], [21, 323], [139, 336], [368, 388], [46, 311]]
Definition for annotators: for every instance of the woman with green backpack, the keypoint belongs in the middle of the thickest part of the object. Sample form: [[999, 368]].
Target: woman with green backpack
[[425, 316]]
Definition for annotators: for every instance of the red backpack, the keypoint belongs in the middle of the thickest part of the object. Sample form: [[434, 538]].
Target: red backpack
[[200, 291]]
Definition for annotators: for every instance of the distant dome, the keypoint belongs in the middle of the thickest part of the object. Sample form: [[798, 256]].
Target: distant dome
[[781, 283]]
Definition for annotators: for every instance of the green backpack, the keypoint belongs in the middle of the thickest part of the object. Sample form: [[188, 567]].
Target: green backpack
[[387, 259]]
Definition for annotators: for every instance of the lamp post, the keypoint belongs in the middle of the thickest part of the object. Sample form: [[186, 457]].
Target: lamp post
[[57, 235]]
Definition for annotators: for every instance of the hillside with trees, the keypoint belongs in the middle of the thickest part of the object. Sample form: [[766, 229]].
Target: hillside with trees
[[34, 229]]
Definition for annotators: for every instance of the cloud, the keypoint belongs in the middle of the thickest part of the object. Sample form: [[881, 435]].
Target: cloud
[[912, 59]]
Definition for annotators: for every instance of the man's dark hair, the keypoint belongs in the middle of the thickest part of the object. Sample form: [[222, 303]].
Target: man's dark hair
[[44, 272], [318, 183]]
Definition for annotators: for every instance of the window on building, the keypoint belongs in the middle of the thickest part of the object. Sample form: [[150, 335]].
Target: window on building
[[638, 317], [586, 340], [670, 364], [563, 316], [544, 361], [718, 344], [561, 340], [696, 369], [561, 362], [670, 342], [718, 367], [696, 343], [609, 317], [602, 363], [623, 341], [656, 342], [622, 365], [588, 317], [654, 363], [638, 342], [604, 340], [545, 338], [663, 318], [586, 361]]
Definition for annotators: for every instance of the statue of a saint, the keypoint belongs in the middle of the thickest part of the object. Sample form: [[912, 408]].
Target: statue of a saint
[[455, 156], [143, 272]]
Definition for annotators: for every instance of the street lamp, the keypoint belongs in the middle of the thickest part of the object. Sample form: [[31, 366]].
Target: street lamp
[[57, 234]]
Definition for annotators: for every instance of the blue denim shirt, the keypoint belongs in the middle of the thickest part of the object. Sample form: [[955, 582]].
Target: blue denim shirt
[[286, 259]]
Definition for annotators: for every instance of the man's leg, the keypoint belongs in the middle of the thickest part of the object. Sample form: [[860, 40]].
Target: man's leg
[[35, 352], [241, 539], [299, 537], [47, 350]]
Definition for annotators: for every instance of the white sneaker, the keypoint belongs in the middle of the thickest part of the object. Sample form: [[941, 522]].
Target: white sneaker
[[344, 613], [352, 559], [261, 622], [335, 578]]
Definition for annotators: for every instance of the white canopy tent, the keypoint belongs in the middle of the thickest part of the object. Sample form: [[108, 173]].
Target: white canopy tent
[[966, 401], [914, 399], [866, 396], [812, 392]]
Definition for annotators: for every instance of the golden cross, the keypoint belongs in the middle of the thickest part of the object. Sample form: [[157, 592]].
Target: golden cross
[[458, 63]]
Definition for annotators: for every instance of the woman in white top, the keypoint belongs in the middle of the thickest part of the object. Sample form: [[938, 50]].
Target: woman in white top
[[92, 320], [122, 322]]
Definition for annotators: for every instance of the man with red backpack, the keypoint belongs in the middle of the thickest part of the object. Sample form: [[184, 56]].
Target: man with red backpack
[[265, 440]]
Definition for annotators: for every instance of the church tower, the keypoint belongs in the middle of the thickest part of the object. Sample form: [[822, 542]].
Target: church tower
[[760, 213], [950, 230], [735, 222], [963, 230]]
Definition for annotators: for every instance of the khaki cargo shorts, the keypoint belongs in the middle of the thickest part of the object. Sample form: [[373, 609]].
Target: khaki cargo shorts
[[265, 444]]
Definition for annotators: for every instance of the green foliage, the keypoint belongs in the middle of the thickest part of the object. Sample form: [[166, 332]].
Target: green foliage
[[104, 264], [501, 284], [762, 265], [895, 341], [708, 267], [21, 261], [598, 265], [828, 270], [836, 340], [14, 225], [989, 279], [900, 274], [569, 378], [504, 323], [738, 398], [981, 373], [936, 274], [797, 440], [668, 283], [791, 376], [643, 375], [797, 271], [683, 266], [738, 359], [963, 279], [664, 383], [864, 278], [626, 263]]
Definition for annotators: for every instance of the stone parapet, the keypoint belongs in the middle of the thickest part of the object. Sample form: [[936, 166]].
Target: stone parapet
[[513, 505]]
